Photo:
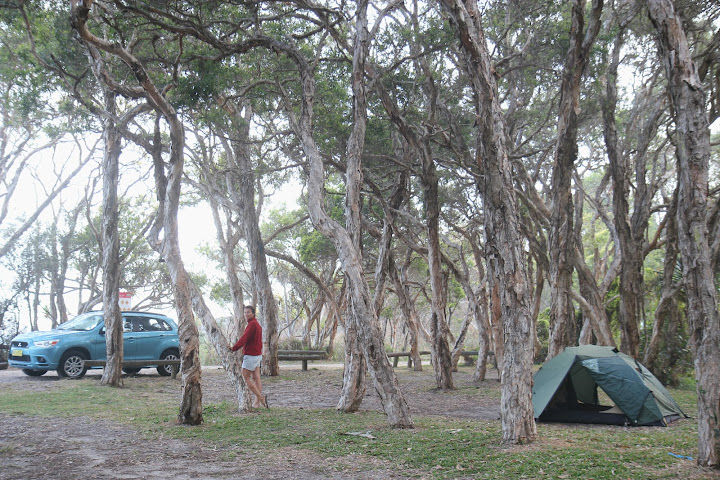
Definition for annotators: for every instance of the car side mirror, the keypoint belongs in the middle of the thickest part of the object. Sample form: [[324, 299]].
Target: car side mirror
[[102, 331]]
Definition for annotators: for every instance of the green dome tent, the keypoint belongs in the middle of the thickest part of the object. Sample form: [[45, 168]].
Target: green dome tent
[[565, 389]]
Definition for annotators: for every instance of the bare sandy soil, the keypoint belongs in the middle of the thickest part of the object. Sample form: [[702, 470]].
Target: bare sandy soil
[[33, 448]]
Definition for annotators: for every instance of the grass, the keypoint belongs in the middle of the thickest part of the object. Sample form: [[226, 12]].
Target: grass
[[436, 448]]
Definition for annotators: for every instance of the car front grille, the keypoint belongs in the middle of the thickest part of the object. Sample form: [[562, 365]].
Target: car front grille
[[19, 344], [24, 358]]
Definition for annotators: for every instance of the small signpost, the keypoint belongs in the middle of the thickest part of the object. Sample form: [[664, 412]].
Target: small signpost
[[125, 300]]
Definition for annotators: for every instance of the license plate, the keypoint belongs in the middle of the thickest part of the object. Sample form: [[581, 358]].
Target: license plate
[[16, 352]]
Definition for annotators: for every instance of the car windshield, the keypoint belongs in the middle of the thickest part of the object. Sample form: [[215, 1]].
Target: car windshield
[[84, 322]]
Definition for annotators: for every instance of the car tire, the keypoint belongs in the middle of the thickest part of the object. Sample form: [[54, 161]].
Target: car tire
[[131, 371], [33, 373], [172, 354], [72, 364]]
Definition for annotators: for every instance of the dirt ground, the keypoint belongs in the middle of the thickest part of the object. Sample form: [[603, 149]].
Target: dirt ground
[[69, 449]]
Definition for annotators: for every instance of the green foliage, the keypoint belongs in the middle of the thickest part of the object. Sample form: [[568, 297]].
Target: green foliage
[[543, 334], [314, 246]]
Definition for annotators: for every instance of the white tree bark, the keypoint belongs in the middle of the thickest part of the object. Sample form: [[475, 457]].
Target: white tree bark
[[112, 374], [169, 196], [368, 327]]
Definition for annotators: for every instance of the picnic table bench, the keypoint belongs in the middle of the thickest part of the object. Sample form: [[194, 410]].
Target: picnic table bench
[[302, 355], [466, 354]]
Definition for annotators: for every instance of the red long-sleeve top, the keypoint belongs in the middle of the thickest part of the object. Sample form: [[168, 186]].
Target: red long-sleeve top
[[251, 340]]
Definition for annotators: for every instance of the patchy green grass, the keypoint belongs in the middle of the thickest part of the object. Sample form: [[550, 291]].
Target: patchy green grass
[[438, 447]]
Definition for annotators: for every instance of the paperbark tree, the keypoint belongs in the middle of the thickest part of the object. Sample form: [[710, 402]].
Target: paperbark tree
[[667, 313], [112, 373], [419, 147], [505, 258], [241, 179], [407, 306], [363, 312], [630, 226], [228, 237], [168, 187], [693, 155], [561, 239]]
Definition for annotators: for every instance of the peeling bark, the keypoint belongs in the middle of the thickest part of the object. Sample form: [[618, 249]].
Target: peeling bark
[[561, 239], [169, 197], [505, 257], [368, 328], [693, 155], [112, 373]]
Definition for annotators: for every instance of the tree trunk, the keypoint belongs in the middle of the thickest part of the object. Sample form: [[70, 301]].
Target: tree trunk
[[368, 328], [169, 197], [419, 147], [592, 296], [505, 256], [480, 306], [228, 241], [667, 305], [442, 361], [457, 349], [483, 326], [409, 314], [355, 374], [496, 324], [261, 279], [190, 368], [230, 360], [382, 267], [536, 303], [112, 374], [693, 155], [631, 279], [563, 332]]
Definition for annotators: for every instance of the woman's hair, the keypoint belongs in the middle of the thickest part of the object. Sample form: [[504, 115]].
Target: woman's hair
[[251, 308]]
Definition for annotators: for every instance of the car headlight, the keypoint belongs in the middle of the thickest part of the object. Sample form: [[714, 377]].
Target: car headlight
[[46, 343]]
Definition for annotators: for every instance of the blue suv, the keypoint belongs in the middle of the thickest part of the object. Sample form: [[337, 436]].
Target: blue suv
[[146, 336]]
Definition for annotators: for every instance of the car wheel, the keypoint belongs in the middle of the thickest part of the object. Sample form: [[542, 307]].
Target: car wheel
[[131, 371], [33, 373], [166, 370], [72, 364]]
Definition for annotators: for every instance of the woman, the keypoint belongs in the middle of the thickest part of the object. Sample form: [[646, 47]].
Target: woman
[[251, 343]]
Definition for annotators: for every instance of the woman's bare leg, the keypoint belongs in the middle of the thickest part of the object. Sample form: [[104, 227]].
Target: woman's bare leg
[[255, 388]]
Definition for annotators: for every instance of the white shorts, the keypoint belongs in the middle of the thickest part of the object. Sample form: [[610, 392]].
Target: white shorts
[[251, 362]]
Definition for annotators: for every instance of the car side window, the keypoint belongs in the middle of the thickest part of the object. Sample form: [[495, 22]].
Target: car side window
[[157, 325], [140, 324], [132, 324]]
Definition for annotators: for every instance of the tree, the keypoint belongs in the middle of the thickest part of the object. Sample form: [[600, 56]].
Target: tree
[[168, 187], [693, 153], [31, 127], [419, 146], [242, 179], [112, 373], [503, 242], [561, 238], [361, 306]]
